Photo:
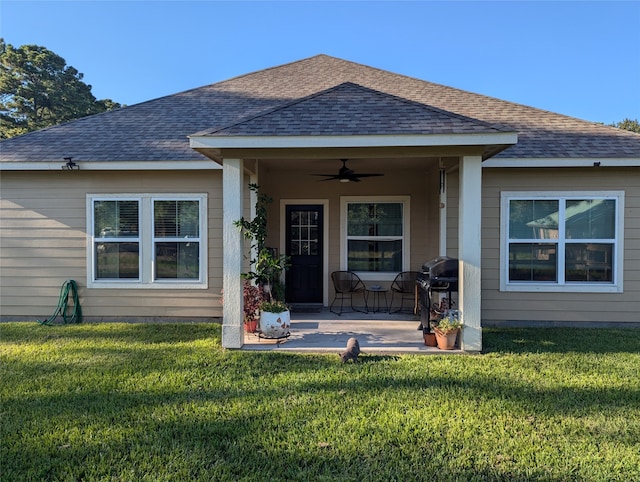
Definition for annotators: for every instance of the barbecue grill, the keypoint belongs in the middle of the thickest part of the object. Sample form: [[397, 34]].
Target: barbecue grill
[[440, 275]]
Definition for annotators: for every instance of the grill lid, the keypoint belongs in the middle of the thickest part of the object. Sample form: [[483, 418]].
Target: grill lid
[[441, 267]]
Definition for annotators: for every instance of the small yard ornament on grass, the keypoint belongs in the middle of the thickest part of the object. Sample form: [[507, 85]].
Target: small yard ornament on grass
[[352, 351]]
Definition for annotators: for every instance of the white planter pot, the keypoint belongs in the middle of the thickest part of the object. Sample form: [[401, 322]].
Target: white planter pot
[[275, 325]]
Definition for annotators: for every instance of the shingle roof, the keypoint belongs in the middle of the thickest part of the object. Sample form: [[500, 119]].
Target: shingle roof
[[350, 109], [158, 129]]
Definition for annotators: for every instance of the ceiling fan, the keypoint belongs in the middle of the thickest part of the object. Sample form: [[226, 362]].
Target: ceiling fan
[[346, 175]]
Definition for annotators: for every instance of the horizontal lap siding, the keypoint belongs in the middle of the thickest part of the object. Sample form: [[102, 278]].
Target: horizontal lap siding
[[421, 185], [43, 243], [588, 307]]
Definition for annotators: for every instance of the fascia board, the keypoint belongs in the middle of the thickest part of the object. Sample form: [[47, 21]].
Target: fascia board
[[275, 142], [562, 162], [113, 166]]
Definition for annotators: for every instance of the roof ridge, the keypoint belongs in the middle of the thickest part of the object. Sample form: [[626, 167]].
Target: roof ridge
[[157, 129], [476, 94]]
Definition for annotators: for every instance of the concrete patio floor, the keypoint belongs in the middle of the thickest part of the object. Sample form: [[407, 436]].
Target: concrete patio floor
[[326, 332]]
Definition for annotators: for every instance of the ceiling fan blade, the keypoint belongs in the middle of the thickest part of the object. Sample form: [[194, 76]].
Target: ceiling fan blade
[[368, 175], [345, 174]]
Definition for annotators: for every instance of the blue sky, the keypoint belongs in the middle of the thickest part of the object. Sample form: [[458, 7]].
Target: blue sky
[[577, 58]]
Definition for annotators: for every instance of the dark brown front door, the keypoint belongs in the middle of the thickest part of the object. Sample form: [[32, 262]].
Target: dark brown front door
[[304, 247]]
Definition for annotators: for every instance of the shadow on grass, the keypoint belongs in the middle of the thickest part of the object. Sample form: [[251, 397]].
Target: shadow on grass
[[231, 415], [124, 332]]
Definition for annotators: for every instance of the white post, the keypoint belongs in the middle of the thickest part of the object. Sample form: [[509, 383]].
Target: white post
[[233, 310], [469, 251]]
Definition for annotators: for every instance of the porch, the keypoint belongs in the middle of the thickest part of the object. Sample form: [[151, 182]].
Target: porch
[[326, 332], [413, 149]]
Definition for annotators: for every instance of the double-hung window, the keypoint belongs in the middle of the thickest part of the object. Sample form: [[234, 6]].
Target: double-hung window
[[147, 241], [375, 235], [562, 241]]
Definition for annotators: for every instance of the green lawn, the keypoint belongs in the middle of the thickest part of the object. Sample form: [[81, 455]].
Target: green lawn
[[134, 402]]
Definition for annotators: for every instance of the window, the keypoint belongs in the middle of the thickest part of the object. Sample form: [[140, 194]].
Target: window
[[562, 242], [375, 236], [176, 239], [117, 239], [147, 241]]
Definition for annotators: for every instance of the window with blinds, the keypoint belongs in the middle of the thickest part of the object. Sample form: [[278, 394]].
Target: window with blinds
[[147, 239], [375, 235], [176, 239], [117, 239], [562, 240]]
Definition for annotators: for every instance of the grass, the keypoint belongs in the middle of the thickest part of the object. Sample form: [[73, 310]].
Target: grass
[[136, 402]]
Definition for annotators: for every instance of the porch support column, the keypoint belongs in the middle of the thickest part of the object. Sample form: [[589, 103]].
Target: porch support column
[[469, 250], [232, 311]]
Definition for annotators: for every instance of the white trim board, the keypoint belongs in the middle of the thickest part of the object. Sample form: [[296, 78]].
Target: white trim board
[[561, 162]]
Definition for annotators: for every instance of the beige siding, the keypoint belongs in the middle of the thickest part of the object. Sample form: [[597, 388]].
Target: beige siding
[[500, 306], [420, 184], [43, 216], [43, 238]]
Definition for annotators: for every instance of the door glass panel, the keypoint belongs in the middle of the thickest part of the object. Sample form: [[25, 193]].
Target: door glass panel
[[304, 233]]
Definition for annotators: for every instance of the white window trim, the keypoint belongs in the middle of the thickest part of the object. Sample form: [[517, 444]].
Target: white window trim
[[147, 268], [565, 287], [406, 231]]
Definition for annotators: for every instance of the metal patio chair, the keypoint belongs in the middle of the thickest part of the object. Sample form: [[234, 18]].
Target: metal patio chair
[[404, 285], [346, 284]]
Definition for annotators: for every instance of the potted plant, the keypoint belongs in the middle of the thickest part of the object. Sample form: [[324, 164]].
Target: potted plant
[[275, 319], [446, 330], [252, 296], [429, 337]]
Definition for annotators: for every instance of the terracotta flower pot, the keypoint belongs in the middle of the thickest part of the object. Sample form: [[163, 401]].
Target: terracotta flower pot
[[251, 326], [429, 339], [446, 341]]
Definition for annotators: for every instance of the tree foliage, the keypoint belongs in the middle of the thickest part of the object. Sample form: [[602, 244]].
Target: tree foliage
[[628, 124], [38, 89]]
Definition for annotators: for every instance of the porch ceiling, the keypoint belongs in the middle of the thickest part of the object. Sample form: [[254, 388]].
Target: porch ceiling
[[332, 164]]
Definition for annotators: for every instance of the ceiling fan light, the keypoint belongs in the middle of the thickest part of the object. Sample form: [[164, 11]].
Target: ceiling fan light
[[344, 180]]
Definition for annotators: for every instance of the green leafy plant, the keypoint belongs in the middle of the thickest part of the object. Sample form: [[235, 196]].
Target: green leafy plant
[[253, 297], [447, 324], [274, 306], [267, 265]]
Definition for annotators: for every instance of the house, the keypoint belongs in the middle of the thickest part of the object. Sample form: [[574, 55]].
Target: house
[[542, 210]]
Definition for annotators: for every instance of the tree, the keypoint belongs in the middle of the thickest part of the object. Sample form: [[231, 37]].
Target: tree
[[38, 89], [628, 125]]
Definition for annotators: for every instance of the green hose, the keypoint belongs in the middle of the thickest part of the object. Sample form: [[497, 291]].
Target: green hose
[[73, 315]]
